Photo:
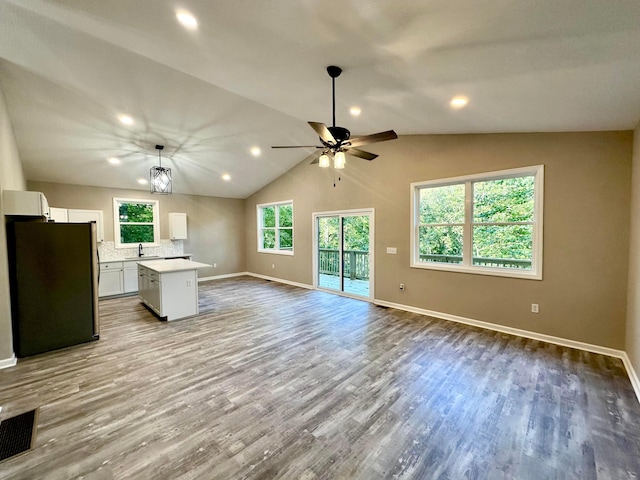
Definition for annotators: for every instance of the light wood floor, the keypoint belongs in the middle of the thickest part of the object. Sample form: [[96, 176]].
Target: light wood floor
[[274, 381]]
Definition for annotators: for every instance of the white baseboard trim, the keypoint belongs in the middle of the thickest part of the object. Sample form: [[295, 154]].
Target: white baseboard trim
[[8, 362], [280, 280], [226, 275], [633, 376], [611, 352]]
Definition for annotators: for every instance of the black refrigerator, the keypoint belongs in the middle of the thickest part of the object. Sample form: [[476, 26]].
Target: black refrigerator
[[53, 271]]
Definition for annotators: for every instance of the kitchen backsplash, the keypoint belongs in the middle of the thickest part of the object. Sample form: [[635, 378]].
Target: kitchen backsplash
[[167, 248]]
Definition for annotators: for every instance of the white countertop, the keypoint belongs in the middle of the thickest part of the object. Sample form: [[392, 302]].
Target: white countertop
[[173, 265]]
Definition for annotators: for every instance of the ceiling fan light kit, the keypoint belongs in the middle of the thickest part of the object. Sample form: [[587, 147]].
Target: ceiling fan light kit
[[324, 161], [159, 177], [336, 141]]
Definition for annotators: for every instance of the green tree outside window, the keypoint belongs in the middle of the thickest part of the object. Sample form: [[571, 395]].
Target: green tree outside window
[[275, 225], [501, 224], [136, 222]]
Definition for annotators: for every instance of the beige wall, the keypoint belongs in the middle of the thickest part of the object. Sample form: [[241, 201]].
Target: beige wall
[[633, 297], [586, 228], [587, 210], [11, 178], [215, 225]]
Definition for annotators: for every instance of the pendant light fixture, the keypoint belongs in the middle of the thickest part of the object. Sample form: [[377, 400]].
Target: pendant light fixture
[[160, 178]]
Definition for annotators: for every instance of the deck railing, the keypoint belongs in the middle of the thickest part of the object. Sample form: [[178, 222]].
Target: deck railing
[[356, 263], [481, 261]]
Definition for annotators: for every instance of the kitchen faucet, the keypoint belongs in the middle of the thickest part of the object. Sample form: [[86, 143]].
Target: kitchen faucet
[[140, 250]]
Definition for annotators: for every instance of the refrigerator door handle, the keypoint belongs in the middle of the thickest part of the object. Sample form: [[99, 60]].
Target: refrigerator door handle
[[96, 280]]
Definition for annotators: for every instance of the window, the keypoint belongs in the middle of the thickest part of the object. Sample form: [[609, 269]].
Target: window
[[489, 224], [135, 221], [275, 227]]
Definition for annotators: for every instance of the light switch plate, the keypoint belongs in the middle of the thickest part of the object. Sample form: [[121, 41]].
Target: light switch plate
[[392, 250]]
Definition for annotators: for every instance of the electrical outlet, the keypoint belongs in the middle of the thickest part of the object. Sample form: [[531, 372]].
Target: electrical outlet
[[273, 265], [189, 283], [215, 265], [535, 308], [402, 287]]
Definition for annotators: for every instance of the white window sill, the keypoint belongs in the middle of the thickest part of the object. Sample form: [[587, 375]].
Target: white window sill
[[277, 252], [492, 271]]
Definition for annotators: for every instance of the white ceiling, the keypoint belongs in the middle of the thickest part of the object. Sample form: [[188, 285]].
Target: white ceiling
[[254, 74]]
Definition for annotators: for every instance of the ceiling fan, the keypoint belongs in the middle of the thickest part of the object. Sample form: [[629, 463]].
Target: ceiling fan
[[336, 141]]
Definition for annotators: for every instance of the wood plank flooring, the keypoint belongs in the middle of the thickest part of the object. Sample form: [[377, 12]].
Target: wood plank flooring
[[275, 381]]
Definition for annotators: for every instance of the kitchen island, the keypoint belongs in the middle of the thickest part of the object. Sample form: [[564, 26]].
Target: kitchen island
[[169, 287]]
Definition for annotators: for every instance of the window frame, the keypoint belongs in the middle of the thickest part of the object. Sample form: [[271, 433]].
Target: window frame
[[260, 228], [537, 171], [117, 201]]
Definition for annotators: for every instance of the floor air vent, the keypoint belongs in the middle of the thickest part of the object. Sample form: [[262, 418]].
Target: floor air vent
[[18, 434]]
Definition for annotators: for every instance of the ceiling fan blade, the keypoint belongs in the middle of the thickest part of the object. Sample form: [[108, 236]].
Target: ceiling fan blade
[[323, 132], [296, 146], [376, 137], [360, 153]]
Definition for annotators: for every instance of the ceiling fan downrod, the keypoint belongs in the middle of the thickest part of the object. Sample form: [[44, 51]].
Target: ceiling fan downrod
[[334, 72]]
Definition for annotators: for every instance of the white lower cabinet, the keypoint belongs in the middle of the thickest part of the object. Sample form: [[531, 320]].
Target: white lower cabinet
[[153, 292], [111, 279], [149, 289], [171, 295], [143, 283], [130, 277]]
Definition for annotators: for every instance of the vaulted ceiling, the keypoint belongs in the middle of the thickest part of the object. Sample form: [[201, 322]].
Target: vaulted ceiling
[[253, 73]]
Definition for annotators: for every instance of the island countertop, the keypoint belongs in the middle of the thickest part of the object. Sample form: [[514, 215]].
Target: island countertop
[[173, 265]]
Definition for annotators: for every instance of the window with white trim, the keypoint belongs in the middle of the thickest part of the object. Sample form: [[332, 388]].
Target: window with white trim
[[275, 227], [135, 222], [489, 223]]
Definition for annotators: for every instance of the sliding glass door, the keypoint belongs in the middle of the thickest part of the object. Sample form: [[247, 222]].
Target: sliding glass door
[[343, 253], [328, 253]]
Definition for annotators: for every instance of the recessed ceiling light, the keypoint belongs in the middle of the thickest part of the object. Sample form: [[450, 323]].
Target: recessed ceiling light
[[255, 151], [142, 181], [114, 161], [187, 19], [126, 119], [226, 177], [355, 111], [459, 102]]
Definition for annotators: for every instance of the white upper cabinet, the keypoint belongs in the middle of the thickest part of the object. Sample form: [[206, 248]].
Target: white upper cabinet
[[59, 215], [177, 226], [82, 216]]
